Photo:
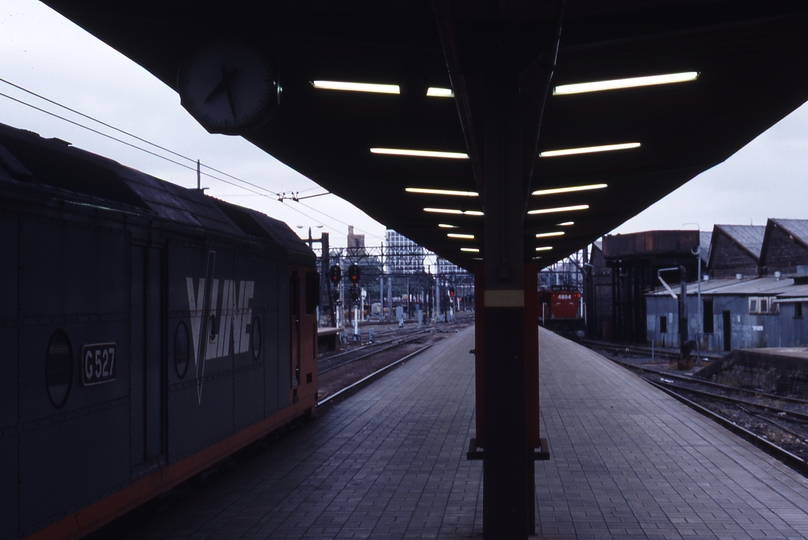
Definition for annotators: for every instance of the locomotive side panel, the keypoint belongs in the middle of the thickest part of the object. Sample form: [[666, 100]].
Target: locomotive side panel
[[274, 331], [74, 410], [253, 358], [200, 387], [147, 395], [303, 296], [8, 375], [283, 397]]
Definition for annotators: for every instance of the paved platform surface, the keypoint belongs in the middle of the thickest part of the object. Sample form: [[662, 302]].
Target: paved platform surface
[[389, 463]]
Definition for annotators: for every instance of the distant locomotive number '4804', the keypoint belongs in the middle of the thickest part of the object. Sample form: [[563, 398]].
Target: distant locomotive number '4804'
[[98, 363]]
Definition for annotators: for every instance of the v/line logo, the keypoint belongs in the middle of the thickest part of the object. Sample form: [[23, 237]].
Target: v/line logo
[[213, 323]]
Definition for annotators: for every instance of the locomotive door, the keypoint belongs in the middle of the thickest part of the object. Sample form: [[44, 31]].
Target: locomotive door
[[146, 355], [294, 326]]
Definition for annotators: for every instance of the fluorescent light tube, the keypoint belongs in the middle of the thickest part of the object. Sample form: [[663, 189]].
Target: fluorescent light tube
[[429, 191], [589, 149], [618, 84], [419, 153], [570, 189], [559, 209], [357, 87]]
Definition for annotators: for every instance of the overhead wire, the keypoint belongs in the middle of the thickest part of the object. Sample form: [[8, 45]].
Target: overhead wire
[[280, 197], [119, 130]]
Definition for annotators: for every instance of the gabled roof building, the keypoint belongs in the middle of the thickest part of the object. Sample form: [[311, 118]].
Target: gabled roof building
[[735, 249], [785, 246]]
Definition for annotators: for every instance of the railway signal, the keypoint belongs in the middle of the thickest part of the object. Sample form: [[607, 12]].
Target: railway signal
[[353, 274], [335, 274]]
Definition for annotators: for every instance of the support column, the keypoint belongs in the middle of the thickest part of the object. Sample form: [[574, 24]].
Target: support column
[[505, 469]]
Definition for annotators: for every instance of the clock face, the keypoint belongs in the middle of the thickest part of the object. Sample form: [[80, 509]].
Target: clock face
[[228, 86]]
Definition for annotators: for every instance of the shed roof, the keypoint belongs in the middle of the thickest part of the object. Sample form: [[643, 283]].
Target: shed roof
[[749, 237], [770, 286], [798, 228]]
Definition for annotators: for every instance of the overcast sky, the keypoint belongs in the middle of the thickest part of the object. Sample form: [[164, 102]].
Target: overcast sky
[[46, 54]]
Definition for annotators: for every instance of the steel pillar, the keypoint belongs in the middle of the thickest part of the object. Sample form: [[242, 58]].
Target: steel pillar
[[505, 468]]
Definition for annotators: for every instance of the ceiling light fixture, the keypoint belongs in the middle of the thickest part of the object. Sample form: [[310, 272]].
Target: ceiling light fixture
[[429, 191], [570, 189], [589, 149], [566, 224], [550, 234], [632, 82], [434, 91], [357, 87], [559, 209], [544, 248], [419, 153], [463, 236], [470, 250], [447, 226], [454, 211]]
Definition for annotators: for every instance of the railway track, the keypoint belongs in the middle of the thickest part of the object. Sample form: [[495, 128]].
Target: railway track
[[334, 361], [776, 424], [642, 350], [343, 373]]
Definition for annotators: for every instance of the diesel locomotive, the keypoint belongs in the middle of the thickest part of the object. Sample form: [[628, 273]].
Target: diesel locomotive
[[146, 332], [560, 311]]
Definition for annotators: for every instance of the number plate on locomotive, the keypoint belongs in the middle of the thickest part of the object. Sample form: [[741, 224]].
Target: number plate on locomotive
[[99, 363]]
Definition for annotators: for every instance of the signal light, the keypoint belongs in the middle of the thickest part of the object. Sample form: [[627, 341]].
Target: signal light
[[451, 292], [355, 293], [353, 274], [335, 274]]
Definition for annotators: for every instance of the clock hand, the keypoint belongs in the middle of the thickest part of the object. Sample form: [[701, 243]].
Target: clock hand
[[227, 78], [229, 93]]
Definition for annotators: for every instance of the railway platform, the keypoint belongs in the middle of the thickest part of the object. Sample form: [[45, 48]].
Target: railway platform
[[389, 463]]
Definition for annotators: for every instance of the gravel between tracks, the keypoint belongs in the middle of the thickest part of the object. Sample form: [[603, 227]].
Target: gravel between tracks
[[343, 376]]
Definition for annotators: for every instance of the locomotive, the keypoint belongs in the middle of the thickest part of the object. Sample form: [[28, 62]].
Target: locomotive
[[560, 310], [147, 331]]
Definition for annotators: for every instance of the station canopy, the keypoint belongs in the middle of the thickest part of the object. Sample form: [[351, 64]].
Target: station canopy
[[736, 68]]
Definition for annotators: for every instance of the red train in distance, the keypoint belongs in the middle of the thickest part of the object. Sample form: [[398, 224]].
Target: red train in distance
[[561, 311]]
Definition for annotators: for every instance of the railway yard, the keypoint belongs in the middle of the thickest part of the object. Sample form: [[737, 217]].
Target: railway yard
[[357, 363], [776, 423]]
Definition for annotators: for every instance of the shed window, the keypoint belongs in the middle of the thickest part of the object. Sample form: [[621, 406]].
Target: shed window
[[763, 305], [798, 310], [663, 324]]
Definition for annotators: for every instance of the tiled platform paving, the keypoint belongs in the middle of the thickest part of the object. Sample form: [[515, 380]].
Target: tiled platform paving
[[630, 461], [389, 463]]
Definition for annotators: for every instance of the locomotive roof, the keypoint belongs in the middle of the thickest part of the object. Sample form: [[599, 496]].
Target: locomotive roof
[[55, 165]]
